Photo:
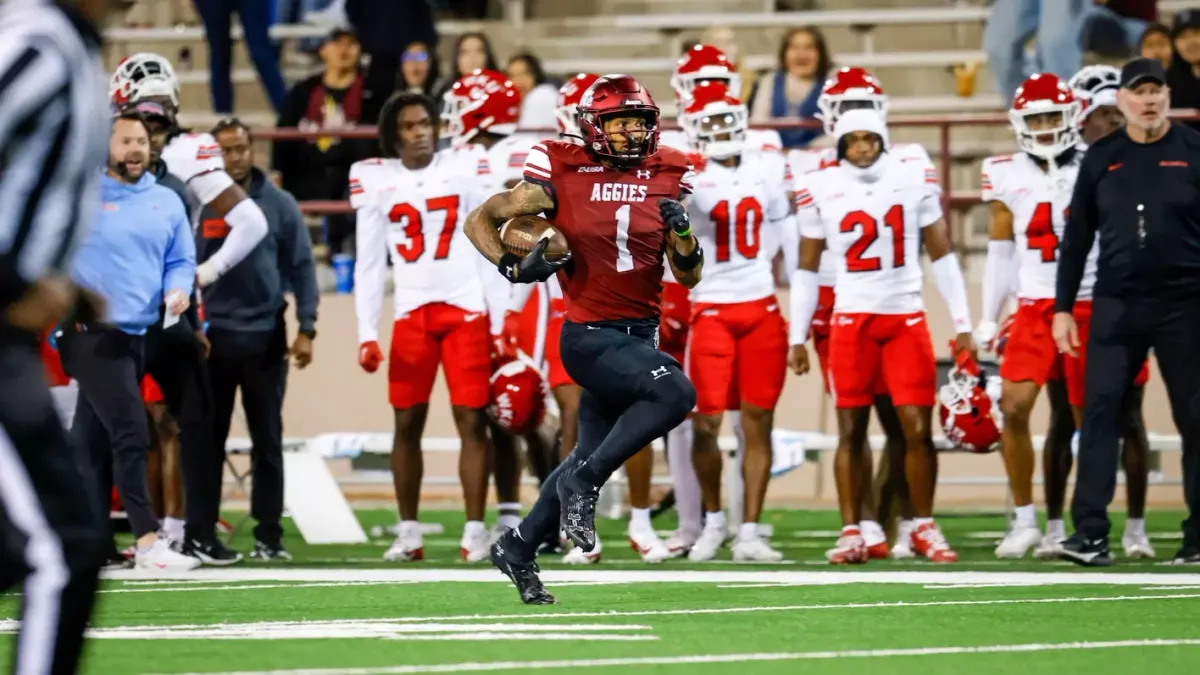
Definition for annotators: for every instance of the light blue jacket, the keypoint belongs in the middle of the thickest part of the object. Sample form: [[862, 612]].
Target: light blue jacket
[[139, 249]]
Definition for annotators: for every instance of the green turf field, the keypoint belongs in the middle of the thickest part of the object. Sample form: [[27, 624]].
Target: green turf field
[[341, 610]]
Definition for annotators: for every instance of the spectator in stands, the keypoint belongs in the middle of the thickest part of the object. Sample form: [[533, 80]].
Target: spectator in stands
[[386, 28], [725, 39], [793, 88], [336, 98], [418, 69], [472, 51], [255, 16], [539, 95], [1183, 77], [1155, 43]]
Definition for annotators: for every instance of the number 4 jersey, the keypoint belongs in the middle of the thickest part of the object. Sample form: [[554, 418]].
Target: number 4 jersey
[[1038, 202]]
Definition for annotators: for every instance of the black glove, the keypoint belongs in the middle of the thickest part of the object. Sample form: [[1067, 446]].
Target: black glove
[[533, 267], [675, 216]]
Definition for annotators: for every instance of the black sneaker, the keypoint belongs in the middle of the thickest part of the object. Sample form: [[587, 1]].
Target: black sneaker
[[116, 561], [270, 552], [212, 552], [523, 573], [1087, 552], [578, 516], [1188, 555]]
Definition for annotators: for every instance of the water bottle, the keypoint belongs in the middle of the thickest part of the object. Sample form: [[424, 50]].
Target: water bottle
[[343, 271]]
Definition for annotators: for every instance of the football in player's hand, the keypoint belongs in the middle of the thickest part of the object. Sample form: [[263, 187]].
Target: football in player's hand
[[522, 233]]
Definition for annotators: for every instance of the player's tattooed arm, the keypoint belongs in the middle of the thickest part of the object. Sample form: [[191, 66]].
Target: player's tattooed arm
[[483, 224]]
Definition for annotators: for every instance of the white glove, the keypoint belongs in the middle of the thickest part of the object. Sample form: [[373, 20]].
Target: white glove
[[985, 332], [206, 274]]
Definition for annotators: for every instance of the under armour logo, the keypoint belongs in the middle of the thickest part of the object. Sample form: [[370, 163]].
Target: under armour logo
[[660, 372], [644, 174]]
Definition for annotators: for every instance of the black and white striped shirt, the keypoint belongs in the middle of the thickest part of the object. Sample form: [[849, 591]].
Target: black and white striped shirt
[[54, 128]]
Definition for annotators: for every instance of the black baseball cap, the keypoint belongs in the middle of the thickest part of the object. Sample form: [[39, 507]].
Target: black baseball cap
[[339, 33], [1188, 18], [1138, 71]]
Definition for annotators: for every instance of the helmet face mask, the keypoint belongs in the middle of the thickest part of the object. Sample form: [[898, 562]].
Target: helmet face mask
[[608, 100], [146, 77], [1045, 117], [715, 121], [484, 101]]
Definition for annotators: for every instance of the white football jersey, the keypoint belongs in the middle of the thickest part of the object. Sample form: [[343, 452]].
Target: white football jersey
[[416, 217], [508, 156], [873, 231], [807, 161], [736, 213], [196, 160], [1038, 202]]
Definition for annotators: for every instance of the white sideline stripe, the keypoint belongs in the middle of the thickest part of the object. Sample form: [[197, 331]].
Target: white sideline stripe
[[681, 612], [720, 658], [243, 587], [1171, 588]]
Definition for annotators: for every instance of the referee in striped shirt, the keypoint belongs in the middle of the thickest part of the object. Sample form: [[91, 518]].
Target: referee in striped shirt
[[53, 130]]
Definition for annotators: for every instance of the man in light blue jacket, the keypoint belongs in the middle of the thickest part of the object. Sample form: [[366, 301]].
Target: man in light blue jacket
[[139, 254]]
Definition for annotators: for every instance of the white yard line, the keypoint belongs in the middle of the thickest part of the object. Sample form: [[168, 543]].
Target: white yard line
[[245, 587], [475, 667]]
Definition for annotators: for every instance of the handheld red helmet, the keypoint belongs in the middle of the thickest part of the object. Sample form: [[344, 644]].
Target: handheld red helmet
[[969, 415], [518, 397], [715, 121], [850, 88], [483, 101], [612, 97], [569, 96], [1044, 96], [704, 63]]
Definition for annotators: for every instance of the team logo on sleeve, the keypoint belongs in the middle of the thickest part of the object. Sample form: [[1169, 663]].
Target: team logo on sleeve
[[207, 152]]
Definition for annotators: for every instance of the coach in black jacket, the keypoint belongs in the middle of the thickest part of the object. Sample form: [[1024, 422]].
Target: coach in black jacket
[[1139, 192], [245, 313]]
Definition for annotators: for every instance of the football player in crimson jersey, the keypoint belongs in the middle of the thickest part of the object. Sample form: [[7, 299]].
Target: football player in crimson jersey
[[853, 88], [411, 206], [737, 342], [1029, 193], [615, 199], [875, 212]]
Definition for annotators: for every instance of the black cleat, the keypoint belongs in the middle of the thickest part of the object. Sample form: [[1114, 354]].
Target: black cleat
[[1086, 552], [578, 516], [116, 561], [268, 552], [212, 553], [1188, 555], [523, 574]]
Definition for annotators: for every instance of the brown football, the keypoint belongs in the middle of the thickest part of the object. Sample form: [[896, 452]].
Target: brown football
[[522, 233]]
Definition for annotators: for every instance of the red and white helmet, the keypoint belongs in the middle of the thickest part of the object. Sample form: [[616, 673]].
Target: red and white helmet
[[568, 102], [1094, 87], [483, 101], [850, 88], [969, 407], [141, 76], [518, 397], [617, 96], [704, 63], [1045, 94], [714, 120]]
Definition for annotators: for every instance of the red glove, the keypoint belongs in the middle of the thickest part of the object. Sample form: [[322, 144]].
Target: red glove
[[369, 356]]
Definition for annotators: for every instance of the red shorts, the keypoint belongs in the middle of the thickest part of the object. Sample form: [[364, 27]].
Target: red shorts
[[863, 348], [533, 318], [737, 353], [434, 333], [676, 314], [822, 320], [150, 391]]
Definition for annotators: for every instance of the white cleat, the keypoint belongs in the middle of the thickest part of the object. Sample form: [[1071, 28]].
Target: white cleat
[[1137, 547], [1050, 547], [680, 542], [577, 556], [160, 557], [409, 545], [474, 546], [1018, 541], [902, 548], [754, 549], [711, 540], [645, 541]]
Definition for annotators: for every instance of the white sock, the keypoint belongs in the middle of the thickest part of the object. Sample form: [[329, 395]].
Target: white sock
[[917, 522], [747, 532], [509, 508], [474, 527], [1026, 515], [715, 520], [872, 532], [410, 528], [173, 527], [904, 531], [680, 448], [639, 519], [1056, 528], [509, 521], [1135, 527]]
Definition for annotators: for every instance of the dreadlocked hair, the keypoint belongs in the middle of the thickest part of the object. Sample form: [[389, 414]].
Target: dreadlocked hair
[[389, 141]]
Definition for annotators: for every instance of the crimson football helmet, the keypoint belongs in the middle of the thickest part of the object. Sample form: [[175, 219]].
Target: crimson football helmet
[[615, 96], [850, 88], [704, 63], [1045, 94], [568, 102], [518, 397], [969, 412], [714, 120], [483, 101]]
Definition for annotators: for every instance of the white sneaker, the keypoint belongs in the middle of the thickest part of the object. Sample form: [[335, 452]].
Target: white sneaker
[[160, 557], [409, 545], [711, 540], [1018, 541], [680, 542], [1050, 548], [754, 549], [902, 548], [577, 556], [474, 547], [645, 541], [1137, 546]]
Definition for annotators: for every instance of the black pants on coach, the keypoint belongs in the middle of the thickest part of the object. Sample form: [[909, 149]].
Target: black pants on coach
[[1121, 335], [255, 362], [51, 534], [110, 417]]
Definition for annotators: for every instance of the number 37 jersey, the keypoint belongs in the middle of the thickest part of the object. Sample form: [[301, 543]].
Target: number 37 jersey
[[873, 231], [1038, 202]]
